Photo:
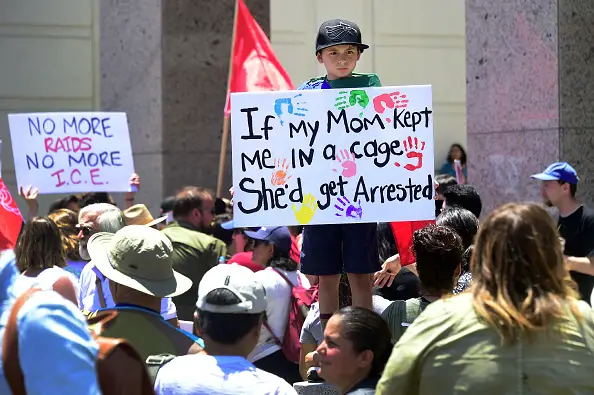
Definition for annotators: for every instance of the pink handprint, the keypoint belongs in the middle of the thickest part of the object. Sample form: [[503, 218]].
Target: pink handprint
[[389, 100], [411, 147], [349, 167]]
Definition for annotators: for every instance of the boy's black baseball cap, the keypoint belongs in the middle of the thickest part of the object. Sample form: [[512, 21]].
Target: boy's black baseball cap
[[337, 32]]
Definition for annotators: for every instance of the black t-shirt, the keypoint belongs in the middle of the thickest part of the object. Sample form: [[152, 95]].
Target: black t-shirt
[[578, 231], [406, 285]]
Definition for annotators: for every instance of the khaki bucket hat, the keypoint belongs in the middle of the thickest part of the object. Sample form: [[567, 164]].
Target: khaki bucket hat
[[138, 257]]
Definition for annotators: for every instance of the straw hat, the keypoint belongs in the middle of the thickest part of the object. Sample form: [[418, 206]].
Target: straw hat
[[139, 214]]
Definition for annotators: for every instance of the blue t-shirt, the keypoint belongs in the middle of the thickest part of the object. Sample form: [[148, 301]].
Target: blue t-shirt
[[56, 352], [448, 168]]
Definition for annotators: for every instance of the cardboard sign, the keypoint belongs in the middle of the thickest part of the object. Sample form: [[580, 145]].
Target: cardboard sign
[[72, 152], [335, 156]]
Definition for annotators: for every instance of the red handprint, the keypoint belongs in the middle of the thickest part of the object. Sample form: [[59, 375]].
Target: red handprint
[[279, 176], [411, 144], [391, 101], [348, 164]]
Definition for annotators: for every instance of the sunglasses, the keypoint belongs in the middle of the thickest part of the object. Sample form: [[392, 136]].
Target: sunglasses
[[86, 230]]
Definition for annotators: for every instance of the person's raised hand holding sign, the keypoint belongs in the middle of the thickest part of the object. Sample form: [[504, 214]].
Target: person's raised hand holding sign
[[134, 187], [30, 195]]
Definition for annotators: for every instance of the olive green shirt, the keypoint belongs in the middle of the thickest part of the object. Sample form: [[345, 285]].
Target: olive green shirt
[[449, 350], [194, 253]]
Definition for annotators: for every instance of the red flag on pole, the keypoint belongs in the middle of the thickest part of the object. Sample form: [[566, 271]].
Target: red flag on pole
[[403, 234], [11, 219], [254, 66]]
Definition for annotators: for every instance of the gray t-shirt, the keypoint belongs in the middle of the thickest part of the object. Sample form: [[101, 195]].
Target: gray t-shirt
[[311, 333]]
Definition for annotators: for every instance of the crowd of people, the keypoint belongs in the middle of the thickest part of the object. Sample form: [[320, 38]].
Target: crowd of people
[[500, 305], [490, 307]]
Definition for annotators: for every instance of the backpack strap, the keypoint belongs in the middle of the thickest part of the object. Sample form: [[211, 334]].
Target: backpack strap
[[10, 347], [286, 278], [276, 339], [265, 323], [64, 287], [100, 292], [156, 362]]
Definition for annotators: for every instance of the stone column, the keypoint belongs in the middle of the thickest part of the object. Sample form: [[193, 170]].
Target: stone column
[[165, 63], [528, 70], [131, 74]]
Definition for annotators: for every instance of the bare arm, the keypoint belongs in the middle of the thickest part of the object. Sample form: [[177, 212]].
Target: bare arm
[[30, 195], [583, 265], [306, 359]]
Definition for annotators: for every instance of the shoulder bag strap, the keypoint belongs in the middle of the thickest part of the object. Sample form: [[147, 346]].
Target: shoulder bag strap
[[10, 347], [99, 287], [156, 362]]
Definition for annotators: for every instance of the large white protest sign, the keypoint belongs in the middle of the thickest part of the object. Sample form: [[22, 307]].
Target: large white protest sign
[[333, 156], [72, 152]]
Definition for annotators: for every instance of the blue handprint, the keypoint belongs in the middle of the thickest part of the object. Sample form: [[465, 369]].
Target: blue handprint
[[290, 104], [349, 211]]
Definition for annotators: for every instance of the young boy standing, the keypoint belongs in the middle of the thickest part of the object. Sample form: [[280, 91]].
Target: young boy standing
[[330, 249]]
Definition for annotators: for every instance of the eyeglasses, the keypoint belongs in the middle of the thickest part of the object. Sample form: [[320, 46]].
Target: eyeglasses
[[85, 229]]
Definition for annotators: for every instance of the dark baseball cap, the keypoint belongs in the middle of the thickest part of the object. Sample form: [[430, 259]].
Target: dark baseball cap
[[277, 235], [338, 32], [560, 171]]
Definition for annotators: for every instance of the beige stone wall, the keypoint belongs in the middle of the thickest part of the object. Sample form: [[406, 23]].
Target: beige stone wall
[[48, 62], [412, 42]]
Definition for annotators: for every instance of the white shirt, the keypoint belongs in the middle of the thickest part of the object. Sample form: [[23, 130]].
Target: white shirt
[[44, 280], [278, 295], [217, 375], [88, 297]]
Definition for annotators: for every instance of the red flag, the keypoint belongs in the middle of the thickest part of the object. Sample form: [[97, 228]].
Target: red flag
[[403, 234], [254, 66], [11, 219]]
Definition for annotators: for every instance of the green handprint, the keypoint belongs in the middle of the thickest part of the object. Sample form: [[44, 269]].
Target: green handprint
[[359, 97], [341, 101]]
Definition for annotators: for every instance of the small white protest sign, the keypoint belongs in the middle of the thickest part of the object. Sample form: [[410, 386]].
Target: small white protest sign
[[72, 152]]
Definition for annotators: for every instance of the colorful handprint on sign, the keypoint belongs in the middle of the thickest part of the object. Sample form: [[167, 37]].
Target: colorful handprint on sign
[[308, 208], [413, 151], [279, 175], [355, 97], [286, 106], [347, 209], [347, 163], [389, 101]]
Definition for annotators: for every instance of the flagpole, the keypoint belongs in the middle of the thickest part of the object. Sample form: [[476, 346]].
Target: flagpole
[[225, 136]]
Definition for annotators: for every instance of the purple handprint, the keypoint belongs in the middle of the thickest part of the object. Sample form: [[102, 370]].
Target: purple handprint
[[348, 209]]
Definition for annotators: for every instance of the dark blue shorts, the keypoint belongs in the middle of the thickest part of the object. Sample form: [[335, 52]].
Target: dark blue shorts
[[332, 249]]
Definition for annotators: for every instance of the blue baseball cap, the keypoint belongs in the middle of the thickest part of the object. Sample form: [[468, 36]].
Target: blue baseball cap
[[277, 235], [560, 171]]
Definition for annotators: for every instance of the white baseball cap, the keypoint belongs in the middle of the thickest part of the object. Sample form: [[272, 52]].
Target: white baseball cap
[[241, 281]]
